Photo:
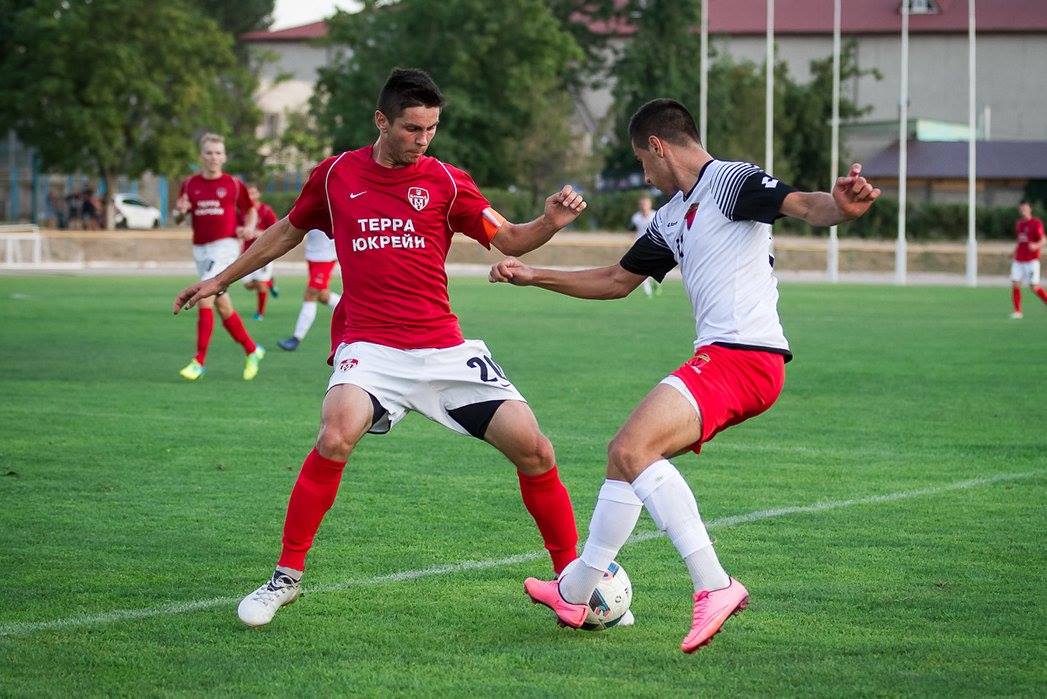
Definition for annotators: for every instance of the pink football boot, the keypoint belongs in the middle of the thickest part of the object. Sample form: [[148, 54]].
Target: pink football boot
[[711, 609], [547, 592]]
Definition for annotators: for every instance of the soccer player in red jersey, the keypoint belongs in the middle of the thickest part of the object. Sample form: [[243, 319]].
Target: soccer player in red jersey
[[213, 198], [321, 256], [1025, 269], [716, 228], [261, 280], [392, 211]]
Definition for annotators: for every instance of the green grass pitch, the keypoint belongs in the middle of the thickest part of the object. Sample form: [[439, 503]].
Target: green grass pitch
[[125, 489]]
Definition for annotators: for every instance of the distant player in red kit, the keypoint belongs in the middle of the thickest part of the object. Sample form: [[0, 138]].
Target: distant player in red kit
[[392, 212], [261, 280], [320, 257], [1025, 269], [213, 198]]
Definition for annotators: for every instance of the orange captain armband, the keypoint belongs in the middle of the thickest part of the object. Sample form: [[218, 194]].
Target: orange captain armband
[[492, 222]]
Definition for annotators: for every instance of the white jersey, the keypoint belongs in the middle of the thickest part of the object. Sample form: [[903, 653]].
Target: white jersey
[[318, 247], [719, 234], [641, 223]]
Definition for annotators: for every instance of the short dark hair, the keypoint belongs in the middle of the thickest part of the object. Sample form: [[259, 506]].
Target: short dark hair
[[1025, 202], [408, 87], [665, 118]]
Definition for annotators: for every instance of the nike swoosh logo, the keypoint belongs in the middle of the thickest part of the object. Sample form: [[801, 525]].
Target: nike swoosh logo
[[357, 194]]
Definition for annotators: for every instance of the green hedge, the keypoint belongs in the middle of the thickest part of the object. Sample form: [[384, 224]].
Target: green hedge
[[280, 201], [923, 222], [611, 211], [606, 211]]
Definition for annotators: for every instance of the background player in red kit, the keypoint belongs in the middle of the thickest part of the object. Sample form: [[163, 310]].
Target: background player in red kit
[[261, 280], [1025, 269], [213, 198], [392, 211], [321, 257]]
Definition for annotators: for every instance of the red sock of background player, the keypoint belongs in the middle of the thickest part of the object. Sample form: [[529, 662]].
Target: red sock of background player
[[236, 328], [263, 296], [312, 496], [1038, 290], [204, 329], [1016, 298], [546, 498]]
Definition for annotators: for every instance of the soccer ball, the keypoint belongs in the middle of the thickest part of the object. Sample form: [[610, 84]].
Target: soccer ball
[[610, 600]]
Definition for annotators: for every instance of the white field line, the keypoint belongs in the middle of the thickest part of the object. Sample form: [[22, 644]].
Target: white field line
[[26, 628]]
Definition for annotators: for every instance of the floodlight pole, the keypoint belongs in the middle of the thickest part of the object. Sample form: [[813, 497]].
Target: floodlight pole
[[768, 158], [903, 137], [833, 251], [972, 242], [703, 88]]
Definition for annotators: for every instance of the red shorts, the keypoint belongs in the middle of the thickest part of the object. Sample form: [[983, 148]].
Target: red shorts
[[731, 385], [320, 274]]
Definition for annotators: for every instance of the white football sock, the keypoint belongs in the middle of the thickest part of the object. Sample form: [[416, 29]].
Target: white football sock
[[614, 518], [333, 299], [306, 316], [674, 510]]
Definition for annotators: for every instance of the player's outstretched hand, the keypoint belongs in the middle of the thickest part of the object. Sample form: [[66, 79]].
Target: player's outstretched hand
[[854, 194], [564, 206], [513, 271], [192, 295]]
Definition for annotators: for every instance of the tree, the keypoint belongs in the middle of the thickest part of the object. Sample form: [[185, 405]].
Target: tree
[[240, 81], [113, 86], [662, 61], [808, 113], [502, 66]]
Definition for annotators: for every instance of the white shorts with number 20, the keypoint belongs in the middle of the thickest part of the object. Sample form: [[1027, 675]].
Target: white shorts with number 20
[[1025, 272], [429, 381], [212, 258]]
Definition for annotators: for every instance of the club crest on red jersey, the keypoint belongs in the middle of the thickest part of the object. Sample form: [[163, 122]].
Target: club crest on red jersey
[[418, 197], [221, 192]]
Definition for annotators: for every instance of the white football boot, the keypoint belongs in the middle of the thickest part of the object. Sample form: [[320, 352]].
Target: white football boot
[[259, 607]]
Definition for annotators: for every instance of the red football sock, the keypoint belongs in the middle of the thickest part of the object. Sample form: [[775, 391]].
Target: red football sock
[[312, 496], [263, 296], [1016, 297], [204, 329], [1041, 293], [236, 328], [546, 498], [270, 284]]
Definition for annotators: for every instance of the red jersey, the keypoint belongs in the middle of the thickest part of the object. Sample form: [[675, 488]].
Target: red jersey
[[266, 218], [1030, 231], [213, 205], [392, 229]]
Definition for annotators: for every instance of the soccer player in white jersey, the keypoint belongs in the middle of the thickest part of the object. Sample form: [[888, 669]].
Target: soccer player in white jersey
[[716, 227], [639, 222], [321, 257]]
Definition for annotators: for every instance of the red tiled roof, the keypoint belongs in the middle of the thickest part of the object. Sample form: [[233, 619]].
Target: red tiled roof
[[304, 32], [856, 17], [800, 17]]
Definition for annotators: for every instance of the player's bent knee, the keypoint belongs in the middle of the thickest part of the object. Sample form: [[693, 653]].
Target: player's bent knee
[[335, 443], [539, 457], [625, 460]]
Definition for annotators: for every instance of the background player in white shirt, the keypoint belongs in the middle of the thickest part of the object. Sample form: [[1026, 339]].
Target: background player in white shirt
[[641, 219], [716, 228], [321, 257]]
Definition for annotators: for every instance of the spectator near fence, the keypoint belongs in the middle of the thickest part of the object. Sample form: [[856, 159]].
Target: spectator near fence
[[639, 222]]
